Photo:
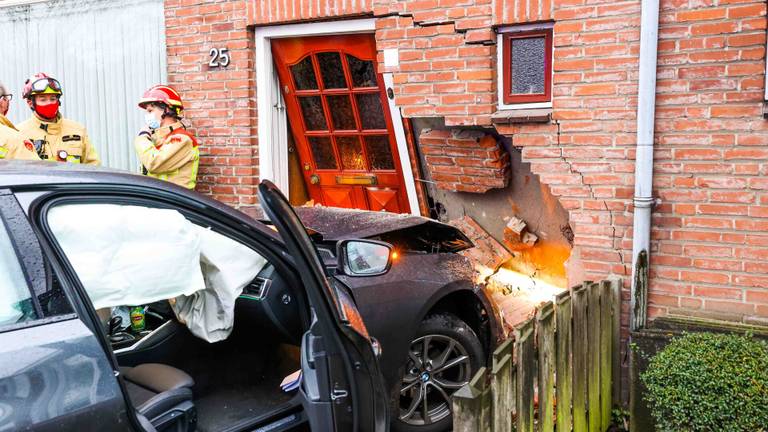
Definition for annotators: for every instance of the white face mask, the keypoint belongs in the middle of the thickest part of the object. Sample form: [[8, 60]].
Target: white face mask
[[151, 120]]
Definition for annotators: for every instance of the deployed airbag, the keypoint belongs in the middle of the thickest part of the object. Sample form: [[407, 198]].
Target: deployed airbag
[[228, 267], [132, 255], [129, 255]]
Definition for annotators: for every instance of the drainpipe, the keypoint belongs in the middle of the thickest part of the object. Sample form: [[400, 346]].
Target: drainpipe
[[643, 202]]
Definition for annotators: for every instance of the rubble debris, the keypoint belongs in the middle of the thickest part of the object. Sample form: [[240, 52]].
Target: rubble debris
[[487, 253], [515, 295], [514, 230], [516, 235], [529, 239]]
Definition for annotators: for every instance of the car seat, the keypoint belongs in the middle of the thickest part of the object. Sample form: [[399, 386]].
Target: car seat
[[162, 394]]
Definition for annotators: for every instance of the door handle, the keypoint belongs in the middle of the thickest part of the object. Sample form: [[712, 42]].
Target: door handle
[[314, 179]]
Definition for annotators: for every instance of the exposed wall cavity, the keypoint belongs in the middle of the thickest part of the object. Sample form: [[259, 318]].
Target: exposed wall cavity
[[524, 216]]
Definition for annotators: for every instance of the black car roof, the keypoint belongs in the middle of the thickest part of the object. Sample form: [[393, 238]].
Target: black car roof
[[19, 175], [26, 173]]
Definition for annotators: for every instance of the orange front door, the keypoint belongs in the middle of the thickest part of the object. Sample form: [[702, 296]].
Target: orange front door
[[337, 108]]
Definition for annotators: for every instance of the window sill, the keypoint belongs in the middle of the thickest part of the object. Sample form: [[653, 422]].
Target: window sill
[[538, 115]]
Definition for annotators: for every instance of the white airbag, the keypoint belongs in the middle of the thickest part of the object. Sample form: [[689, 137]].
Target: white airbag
[[131, 255], [228, 267]]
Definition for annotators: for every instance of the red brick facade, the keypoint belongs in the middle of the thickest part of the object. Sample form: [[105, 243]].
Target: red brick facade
[[710, 236], [465, 160], [220, 103]]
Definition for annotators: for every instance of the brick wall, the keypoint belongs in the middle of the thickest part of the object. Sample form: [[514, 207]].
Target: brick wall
[[586, 153], [280, 11], [447, 64], [709, 240], [464, 160], [712, 227], [220, 104]]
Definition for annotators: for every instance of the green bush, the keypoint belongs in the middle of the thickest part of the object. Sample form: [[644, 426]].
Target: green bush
[[709, 382]]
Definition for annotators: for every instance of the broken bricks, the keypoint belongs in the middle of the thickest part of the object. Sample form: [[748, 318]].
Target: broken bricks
[[517, 236]]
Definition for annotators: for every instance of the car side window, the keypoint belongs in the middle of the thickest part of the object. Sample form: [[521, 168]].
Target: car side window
[[29, 290], [15, 297]]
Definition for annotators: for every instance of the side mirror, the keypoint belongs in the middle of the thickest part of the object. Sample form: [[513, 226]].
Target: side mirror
[[364, 257]]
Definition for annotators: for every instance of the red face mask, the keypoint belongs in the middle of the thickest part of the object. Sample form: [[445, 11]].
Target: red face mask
[[47, 111]]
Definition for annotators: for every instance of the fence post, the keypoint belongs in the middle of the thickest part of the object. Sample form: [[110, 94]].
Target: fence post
[[579, 308], [525, 367], [564, 373], [468, 403], [486, 402], [616, 285], [593, 373], [606, 349], [545, 337], [503, 386]]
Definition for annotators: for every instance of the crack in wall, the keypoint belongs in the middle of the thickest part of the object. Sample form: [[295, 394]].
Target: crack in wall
[[592, 195]]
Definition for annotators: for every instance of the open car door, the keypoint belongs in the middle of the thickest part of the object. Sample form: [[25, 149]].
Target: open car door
[[342, 385]]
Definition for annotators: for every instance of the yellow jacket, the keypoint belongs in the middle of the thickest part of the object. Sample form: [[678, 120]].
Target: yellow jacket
[[13, 146], [64, 140], [170, 153]]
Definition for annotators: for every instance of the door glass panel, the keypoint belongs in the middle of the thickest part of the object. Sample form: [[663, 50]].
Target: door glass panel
[[341, 112], [371, 113], [362, 71], [528, 65], [351, 153], [322, 151], [331, 70], [312, 110], [379, 152], [15, 298], [304, 75]]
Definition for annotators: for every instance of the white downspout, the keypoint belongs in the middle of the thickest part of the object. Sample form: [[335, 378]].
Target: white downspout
[[643, 202]]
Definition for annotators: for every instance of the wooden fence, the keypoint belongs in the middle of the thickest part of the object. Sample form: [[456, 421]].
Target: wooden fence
[[566, 358]]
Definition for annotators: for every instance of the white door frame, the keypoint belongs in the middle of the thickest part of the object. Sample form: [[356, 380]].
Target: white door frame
[[272, 124]]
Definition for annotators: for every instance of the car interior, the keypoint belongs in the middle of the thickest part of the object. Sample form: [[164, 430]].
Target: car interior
[[179, 369]]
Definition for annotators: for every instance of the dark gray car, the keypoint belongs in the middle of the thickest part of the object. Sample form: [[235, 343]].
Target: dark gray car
[[317, 303]]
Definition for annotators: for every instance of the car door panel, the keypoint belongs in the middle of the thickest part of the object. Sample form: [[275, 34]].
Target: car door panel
[[54, 374], [338, 333], [339, 351], [56, 377]]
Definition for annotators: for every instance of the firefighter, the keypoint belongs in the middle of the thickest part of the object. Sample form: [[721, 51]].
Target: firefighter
[[55, 138], [14, 146], [164, 146], [5, 104]]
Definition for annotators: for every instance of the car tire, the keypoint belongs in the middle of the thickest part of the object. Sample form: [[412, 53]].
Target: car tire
[[454, 355]]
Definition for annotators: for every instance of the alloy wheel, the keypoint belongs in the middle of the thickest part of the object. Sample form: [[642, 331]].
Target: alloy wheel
[[438, 365]]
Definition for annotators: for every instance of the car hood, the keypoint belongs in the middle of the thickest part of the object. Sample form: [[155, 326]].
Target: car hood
[[404, 230]]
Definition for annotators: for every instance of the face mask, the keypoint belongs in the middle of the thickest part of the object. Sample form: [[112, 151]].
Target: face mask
[[151, 121], [47, 111]]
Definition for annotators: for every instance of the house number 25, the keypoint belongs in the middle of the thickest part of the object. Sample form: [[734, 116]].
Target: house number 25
[[219, 57]]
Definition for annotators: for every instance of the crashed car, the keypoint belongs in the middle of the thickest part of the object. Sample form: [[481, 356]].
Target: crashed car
[[133, 304]]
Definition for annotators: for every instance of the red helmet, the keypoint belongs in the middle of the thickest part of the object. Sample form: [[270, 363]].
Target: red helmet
[[165, 95], [41, 83]]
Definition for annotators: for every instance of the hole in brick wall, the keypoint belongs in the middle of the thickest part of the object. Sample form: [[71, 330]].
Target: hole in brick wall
[[521, 230]]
